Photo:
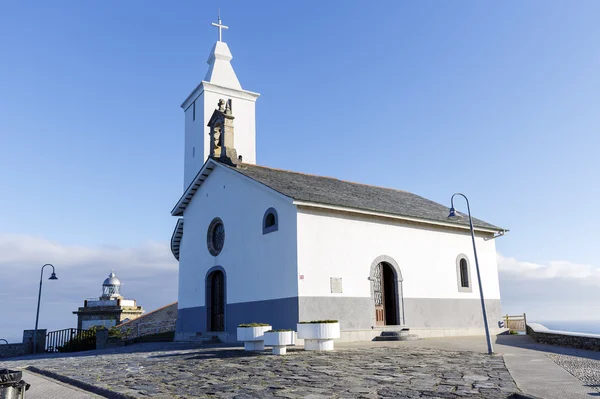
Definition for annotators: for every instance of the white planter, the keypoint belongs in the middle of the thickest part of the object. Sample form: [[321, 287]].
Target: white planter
[[279, 341], [253, 337], [318, 336]]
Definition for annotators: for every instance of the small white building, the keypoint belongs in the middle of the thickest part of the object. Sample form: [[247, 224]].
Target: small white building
[[258, 244]]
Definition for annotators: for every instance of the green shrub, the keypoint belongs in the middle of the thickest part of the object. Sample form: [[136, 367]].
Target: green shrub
[[513, 332], [253, 325], [318, 322], [278, 331]]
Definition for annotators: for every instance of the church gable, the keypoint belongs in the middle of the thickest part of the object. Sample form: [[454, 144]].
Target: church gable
[[227, 225], [203, 174]]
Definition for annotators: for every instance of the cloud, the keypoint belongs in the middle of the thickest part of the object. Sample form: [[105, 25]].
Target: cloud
[[557, 290], [552, 270], [26, 251], [148, 272]]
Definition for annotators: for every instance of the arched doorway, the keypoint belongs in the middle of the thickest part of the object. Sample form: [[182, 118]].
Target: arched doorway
[[215, 284], [387, 292]]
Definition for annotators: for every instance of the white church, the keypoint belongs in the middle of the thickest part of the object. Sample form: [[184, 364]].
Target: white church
[[266, 245]]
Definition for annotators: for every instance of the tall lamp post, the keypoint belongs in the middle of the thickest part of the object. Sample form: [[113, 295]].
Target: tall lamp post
[[37, 315], [485, 321]]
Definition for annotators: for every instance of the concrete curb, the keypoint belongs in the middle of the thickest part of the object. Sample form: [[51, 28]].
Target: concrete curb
[[80, 384], [522, 396]]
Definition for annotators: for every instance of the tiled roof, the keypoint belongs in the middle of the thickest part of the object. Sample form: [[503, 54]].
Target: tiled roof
[[331, 191]]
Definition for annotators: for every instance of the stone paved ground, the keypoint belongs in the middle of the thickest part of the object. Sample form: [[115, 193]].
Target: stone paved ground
[[587, 370], [184, 371]]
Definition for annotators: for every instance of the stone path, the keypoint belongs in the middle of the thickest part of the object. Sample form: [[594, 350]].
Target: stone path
[[528, 362], [170, 370]]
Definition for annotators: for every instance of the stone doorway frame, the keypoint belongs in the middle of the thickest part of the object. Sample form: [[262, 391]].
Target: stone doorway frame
[[400, 317]]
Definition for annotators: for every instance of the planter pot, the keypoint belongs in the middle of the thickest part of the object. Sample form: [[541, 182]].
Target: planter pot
[[279, 341], [318, 336], [253, 337]]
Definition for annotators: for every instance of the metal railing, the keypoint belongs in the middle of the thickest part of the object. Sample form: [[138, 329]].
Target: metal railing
[[70, 340], [5, 341]]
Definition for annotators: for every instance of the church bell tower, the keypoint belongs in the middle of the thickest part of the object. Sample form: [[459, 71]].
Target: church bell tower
[[220, 82]]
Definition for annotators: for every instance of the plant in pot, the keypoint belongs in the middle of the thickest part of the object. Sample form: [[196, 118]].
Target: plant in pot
[[318, 335], [279, 339], [253, 335]]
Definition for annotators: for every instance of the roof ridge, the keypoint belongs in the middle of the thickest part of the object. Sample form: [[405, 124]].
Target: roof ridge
[[328, 177]]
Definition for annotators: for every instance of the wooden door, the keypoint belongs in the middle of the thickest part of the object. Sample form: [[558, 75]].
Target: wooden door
[[379, 295], [217, 302]]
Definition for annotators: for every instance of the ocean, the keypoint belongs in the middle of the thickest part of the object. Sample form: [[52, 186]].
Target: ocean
[[586, 326]]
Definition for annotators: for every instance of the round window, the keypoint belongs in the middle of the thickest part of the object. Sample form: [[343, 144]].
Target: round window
[[215, 237]]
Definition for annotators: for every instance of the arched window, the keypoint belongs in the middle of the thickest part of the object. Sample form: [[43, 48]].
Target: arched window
[[270, 221], [463, 274]]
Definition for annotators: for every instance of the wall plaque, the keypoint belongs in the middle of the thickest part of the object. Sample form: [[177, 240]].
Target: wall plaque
[[336, 285]]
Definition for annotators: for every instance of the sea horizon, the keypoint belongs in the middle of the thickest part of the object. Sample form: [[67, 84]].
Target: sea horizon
[[577, 326]]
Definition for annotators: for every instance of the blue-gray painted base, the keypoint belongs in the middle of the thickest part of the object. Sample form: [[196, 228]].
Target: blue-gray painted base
[[359, 313], [354, 313], [280, 313]]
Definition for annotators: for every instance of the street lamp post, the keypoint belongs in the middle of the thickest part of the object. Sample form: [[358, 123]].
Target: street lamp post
[[485, 321], [37, 315]]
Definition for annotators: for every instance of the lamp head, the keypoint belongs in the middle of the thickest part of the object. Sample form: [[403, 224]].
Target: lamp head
[[453, 214], [53, 277]]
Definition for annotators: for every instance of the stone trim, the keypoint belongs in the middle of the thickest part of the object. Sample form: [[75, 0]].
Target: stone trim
[[275, 227], [400, 315], [209, 236], [458, 279]]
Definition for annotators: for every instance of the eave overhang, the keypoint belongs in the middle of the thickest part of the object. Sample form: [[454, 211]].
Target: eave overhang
[[397, 217], [176, 238], [187, 196]]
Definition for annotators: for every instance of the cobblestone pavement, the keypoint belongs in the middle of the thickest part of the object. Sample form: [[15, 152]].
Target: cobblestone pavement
[[587, 370], [183, 371]]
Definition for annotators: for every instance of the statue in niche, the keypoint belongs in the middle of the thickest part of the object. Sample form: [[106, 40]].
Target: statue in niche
[[217, 138]]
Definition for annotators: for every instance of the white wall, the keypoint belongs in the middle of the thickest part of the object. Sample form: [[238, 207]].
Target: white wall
[[334, 245], [258, 267], [197, 131]]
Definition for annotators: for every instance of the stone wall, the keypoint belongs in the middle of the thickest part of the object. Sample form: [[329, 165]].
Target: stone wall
[[543, 335], [41, 339], [158, 321], [11, 350], [103, 341]]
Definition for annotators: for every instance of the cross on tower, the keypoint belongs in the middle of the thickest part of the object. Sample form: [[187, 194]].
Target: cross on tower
[[220, 26]]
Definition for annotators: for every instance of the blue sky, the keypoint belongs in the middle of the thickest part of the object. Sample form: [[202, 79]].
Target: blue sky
[[497, 100]]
